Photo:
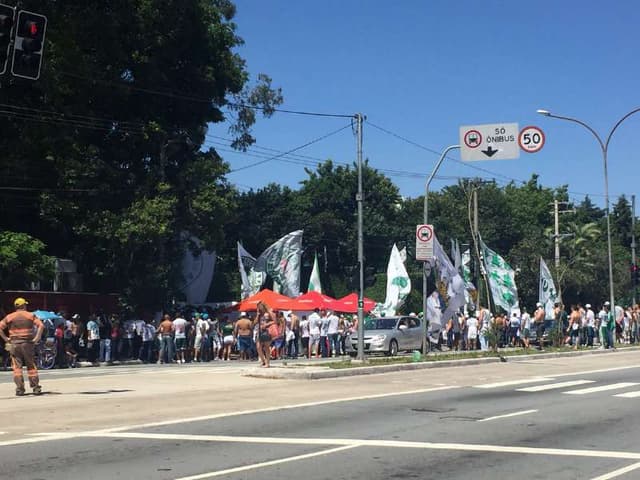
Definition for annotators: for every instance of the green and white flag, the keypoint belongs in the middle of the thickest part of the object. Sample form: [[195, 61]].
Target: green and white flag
[[281, 261], [547, 293], [314, 280], [501, 279], [466, 265], [398, 284]]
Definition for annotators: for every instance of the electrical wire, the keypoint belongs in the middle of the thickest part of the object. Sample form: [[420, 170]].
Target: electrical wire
[[275, 157]]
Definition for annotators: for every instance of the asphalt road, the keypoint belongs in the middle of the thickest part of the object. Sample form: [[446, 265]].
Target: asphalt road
[[577, 422]]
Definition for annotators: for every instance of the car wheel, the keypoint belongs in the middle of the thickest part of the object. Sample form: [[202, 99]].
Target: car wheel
[[393, 348]]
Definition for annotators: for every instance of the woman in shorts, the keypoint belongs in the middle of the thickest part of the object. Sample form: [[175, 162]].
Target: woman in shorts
[[227, 339], [265, 318]]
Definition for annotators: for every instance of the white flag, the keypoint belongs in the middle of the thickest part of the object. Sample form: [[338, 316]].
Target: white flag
[[252, 281], [281, 261], [547, 293], [501, 279], [398, 284], [197, 271], [314, 280]]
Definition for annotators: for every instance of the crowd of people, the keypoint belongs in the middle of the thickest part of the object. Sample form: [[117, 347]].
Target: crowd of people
[[580, 327], [266, 334], [198, 337]]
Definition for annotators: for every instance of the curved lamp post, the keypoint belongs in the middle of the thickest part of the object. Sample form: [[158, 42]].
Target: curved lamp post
[[604, 146]]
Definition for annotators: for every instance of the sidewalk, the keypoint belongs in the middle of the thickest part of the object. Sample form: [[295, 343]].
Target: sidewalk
[[311, 372]]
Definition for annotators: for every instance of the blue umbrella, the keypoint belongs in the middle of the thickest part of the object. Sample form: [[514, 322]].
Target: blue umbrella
[[54, 317]]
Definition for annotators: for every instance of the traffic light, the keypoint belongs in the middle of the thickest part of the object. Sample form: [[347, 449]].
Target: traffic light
[[635, 274], [29, 43], [7, 15]]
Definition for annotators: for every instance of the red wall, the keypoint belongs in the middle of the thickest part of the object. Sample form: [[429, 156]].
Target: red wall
[[69, 302]]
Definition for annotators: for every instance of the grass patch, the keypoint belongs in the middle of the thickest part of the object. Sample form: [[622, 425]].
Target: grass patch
[[442, 356]]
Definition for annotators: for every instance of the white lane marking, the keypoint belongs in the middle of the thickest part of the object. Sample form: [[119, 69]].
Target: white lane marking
[[45, 437], [514, 382], [552, 386], [617, 473], [266, 464], [372, 443], [602, 388], [629, 394], [508, 415], [600, 370], [276, 408]]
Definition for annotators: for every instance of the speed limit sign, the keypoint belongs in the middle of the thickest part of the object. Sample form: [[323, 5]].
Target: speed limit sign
[[531, 139]]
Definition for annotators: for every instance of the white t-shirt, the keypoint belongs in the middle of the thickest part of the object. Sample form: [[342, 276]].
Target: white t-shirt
[[201, 326], [526, 321], [472, 327], [591, 318], [333, 324], [180, 328], [314, 324], [304, 328]]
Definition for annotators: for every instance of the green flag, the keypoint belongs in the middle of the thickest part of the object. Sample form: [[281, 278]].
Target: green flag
[[501, 279], [314, 280]]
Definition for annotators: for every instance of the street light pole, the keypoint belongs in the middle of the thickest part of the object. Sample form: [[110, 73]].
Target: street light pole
[[426, 270], [604, 146]]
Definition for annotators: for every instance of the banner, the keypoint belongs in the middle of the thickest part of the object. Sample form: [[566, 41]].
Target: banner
[[197, 271], [252, 281], [501, 279], [314, 280], [281, 261], [398, 284], [547, 293], [450, 276]]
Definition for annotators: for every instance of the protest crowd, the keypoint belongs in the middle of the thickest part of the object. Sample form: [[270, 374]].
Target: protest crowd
[[265, 334]]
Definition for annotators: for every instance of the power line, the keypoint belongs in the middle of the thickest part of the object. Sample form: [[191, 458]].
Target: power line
[[182, 96], [275, 157]]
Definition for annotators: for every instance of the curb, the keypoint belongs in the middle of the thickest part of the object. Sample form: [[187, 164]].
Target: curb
[[292, 373]]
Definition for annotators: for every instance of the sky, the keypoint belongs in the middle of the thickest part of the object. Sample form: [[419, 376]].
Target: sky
[[422, 69]]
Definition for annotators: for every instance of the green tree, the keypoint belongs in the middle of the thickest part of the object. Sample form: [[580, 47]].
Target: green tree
[[114, 137], [621, 222], [22, 260]]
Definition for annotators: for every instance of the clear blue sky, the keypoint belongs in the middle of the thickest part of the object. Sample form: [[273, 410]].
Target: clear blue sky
[[423, 68]]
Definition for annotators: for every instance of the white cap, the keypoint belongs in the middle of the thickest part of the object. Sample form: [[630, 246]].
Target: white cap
[[243, 314], [588, 305], [607, 304], [538, 304]]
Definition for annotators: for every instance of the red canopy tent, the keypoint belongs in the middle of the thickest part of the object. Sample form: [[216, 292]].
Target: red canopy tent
[[312, 300], [349, 304], [271, 298]]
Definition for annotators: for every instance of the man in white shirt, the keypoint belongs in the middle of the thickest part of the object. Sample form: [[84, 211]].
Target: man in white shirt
[[180, 336], [472, 331], [590, 317], [525, 327], [314, 333], [202, 329], [332, 333]]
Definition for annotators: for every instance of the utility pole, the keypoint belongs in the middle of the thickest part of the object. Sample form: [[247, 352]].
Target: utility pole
[[359, 200], [634, 279], [475, 242]]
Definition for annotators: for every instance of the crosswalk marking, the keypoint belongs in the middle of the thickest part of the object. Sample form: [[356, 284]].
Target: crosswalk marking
[[553, 386], [628, 394], [603, 388], [514, 382]]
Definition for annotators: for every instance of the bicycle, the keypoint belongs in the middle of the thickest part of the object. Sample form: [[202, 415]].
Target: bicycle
[[46, 353]]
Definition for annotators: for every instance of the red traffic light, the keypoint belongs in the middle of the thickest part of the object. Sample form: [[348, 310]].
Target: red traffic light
[[32, 28]]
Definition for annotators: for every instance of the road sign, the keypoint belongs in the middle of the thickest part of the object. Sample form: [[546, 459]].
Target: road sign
[[424, 242], [495, 141], [531, 139]]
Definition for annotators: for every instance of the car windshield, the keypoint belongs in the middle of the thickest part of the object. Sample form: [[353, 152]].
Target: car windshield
[[380, 323]]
